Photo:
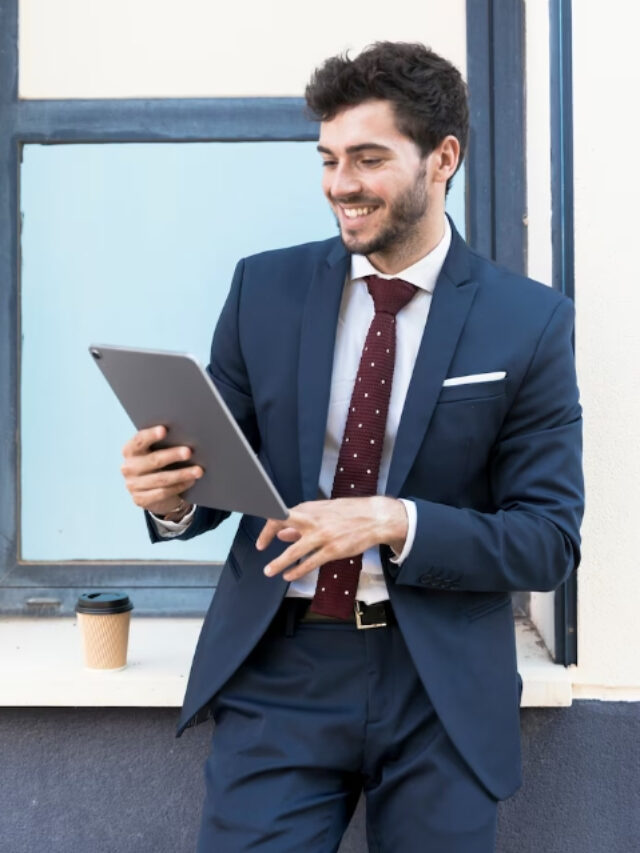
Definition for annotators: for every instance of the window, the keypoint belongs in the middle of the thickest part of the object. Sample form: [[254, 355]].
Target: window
[[119, 201]]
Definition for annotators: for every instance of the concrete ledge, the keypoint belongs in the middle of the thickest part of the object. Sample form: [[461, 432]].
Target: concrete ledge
[[545, 683], [41, 665]]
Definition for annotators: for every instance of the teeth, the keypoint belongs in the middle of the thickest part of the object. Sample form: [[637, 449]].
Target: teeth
[[352, 212]]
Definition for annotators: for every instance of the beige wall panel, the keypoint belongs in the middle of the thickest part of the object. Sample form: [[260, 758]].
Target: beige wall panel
[[606, 78], [207, 48]]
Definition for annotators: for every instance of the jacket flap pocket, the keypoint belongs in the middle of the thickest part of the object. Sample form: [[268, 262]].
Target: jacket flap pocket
[[488, 603], [242, 549]]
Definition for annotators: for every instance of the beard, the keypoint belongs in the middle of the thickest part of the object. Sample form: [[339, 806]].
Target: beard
[[400, 230]]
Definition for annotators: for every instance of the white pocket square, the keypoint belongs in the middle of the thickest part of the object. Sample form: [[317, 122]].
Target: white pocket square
[[475, 377]]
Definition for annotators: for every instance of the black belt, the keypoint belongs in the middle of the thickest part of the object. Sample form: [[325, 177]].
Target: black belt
[[296, 610]]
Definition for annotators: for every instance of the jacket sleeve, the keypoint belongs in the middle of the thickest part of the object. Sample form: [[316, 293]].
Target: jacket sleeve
[[532, 540], [228, 372]]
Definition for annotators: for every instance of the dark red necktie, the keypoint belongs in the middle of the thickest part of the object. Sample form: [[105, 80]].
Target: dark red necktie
[[359, 459]]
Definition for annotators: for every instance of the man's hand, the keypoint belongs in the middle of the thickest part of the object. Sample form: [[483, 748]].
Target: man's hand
[[150, 487], [322, 531]]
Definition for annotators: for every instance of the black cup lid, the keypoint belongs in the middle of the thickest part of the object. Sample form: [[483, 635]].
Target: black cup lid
[[103, 602]]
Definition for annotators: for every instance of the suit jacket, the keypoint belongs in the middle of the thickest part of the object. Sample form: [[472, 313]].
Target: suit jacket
[[494, 469]]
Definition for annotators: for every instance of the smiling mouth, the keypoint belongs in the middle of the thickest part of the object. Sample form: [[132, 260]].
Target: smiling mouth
[[358, 212]]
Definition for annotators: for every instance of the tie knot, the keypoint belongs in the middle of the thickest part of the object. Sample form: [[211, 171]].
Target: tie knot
[[389, 294]]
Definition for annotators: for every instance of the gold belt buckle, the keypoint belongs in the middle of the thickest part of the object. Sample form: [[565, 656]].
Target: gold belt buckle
[[359, 614]]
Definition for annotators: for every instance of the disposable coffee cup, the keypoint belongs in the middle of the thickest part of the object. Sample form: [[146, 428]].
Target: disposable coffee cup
[[104, 619]]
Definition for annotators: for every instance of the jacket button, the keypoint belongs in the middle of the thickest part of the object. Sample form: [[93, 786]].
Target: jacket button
[[425, 580]]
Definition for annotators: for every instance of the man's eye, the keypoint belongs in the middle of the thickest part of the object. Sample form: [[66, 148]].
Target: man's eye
[[371, 161], [328, 163]]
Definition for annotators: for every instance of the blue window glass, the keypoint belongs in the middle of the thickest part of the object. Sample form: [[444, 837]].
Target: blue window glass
[[134, 244]]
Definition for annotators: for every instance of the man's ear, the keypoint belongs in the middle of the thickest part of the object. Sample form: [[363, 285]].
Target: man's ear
[[444, 160]]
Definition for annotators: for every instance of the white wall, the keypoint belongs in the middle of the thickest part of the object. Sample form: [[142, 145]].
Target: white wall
[[207, 48], [606, 79]]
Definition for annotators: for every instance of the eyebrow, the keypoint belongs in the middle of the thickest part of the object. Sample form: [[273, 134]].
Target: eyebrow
[[354, 149]]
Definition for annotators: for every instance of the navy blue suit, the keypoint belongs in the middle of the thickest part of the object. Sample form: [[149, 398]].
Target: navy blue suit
[[494, 470]]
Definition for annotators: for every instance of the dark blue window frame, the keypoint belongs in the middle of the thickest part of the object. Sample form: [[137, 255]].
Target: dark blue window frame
[[495, 226], [562, 252]]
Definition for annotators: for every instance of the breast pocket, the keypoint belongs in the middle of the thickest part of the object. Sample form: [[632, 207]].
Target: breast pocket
[[463, 429], [472, 391], [470, 414]]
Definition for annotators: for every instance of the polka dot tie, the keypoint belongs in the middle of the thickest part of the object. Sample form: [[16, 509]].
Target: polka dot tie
[[359, 460]]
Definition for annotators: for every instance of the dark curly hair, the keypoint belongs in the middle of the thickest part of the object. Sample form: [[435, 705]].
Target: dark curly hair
[[428, 94]]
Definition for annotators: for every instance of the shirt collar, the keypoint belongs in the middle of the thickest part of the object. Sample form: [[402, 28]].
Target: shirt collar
[[424, 273]]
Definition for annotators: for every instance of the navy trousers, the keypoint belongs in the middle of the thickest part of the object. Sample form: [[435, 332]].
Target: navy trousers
[[311, 720]]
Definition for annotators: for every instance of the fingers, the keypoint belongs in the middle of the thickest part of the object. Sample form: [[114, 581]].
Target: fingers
[[289, 534], [298, 521], [142, 440], [151, 487], [313, 561], [308, 545], [160, 500], [308, 549], [154, 460], [298, 529], [321, 532], [140, 459], [157, 492], [172, 480], [268, 532]]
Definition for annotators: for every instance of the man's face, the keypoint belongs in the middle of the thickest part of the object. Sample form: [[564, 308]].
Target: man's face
[[375, 180]]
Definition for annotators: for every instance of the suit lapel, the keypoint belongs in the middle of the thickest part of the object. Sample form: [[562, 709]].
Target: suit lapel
[[317, 342], [452, 299]]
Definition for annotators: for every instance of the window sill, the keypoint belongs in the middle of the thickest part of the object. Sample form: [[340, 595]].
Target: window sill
[[42, 666]]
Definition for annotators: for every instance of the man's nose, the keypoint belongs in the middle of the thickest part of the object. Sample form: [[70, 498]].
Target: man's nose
[[344, 183]]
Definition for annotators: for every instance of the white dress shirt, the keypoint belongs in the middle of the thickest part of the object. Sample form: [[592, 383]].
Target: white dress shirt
[[354, 319]]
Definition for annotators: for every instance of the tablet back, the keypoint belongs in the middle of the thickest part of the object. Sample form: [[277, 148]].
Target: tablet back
[[173, 390]]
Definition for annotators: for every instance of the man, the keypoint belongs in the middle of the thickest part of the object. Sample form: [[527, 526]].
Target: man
[[416, 407]]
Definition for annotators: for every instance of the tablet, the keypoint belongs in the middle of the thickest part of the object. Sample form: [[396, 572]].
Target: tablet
[[173, 390]]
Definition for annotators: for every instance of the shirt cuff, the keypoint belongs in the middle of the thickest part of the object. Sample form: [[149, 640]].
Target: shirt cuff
[[170, 529], [412, 518]]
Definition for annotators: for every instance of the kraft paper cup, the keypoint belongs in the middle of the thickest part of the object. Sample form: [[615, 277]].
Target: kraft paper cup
[[104, 619]]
